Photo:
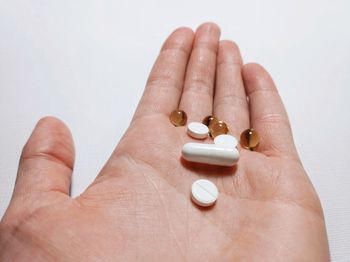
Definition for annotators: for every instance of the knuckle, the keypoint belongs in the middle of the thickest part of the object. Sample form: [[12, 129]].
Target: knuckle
[[273, 118], [231, 100], [209, 47], [174, 49], [163, 82], [199, 85]]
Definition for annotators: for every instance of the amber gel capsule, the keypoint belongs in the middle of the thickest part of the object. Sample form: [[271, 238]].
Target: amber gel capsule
[[249, 139], [218, 128], [178, 118], [208, 120]]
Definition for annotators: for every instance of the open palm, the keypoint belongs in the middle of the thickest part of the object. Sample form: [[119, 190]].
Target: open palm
[[139, 206]]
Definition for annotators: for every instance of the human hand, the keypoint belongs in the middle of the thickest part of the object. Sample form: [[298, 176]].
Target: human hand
[[139, 208]]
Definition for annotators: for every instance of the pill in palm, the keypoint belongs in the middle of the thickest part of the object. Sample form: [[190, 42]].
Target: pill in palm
[[204, 192], [226, 140], [211, 154], [197, 130]]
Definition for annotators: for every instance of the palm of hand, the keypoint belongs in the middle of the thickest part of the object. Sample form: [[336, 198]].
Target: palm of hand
[[139, 206], [260, 200]]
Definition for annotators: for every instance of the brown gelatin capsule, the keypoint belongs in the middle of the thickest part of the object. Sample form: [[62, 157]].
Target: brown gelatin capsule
[[218, 128], [178, 118], [249, 139], [209, 120]]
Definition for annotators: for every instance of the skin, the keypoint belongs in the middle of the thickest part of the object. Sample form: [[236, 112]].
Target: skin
[[139, 208]]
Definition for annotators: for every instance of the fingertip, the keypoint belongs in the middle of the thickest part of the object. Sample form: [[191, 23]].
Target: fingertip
[[207, 37], [51, 138], [229, 44], [181, 37], [253, 69], [229, 52], [183, 30], [209, 27], [52, 122], [255, 77]]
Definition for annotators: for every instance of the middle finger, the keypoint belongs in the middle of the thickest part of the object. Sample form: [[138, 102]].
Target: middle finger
[[197, 96], [230, 101]]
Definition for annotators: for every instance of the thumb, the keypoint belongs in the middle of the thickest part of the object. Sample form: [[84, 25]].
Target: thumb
[[46, 162]]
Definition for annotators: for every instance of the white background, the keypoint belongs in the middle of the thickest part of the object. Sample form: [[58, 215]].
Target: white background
[[87, 61]]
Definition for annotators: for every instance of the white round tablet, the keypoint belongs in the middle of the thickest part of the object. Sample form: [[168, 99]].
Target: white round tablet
[[204, 192], [197, 130], [226, 141]]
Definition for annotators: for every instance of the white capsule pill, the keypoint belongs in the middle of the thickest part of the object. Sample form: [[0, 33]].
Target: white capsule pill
[[197, 130], [204, 193], [226, 140], [211, 154]]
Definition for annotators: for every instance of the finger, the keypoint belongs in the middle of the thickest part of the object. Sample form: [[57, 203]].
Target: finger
[[164, 85], [46, 162], [230, 101], [197, 96], [267, 113]]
